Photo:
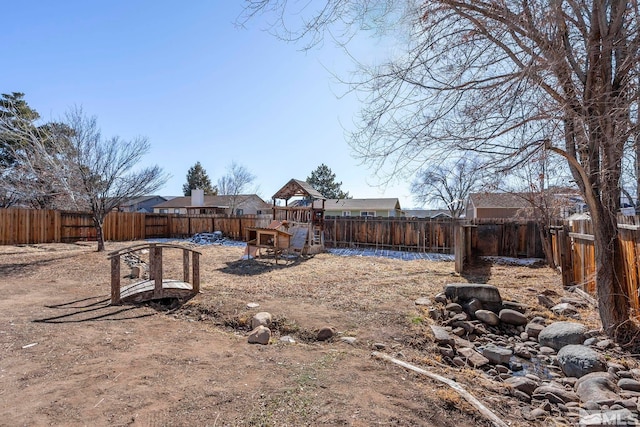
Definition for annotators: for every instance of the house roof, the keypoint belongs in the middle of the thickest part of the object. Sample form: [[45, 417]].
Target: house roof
[[427, 213], [223, 201], [295, 187], [389, 204], [498, 200], [138, 200]]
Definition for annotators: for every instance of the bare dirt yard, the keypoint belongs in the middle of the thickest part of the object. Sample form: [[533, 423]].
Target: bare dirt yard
[[69, 358]]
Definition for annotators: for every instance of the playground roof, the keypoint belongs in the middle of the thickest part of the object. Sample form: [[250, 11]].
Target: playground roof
[[295, 187]]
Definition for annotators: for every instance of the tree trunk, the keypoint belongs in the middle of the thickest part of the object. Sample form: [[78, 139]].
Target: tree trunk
[[613, 304], [99, 234]]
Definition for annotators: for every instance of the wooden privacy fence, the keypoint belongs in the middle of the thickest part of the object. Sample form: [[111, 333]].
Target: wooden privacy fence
[[574, 253], [30, 226], [422, 235]]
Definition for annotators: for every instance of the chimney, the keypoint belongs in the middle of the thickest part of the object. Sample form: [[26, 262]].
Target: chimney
[[197, 197]]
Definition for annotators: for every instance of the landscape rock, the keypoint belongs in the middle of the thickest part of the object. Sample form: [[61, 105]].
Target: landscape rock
[[576, 302], [523, 384], [559, 334], [629, 384], [488, 317], [261, 319], [441, 336], [472, 357], [598, 387], [516, 306], [471, 306], [512, 317], [555, 394], [422, 301], [488, 295], [564, 309], [545, 301], [325, 333], [577, 360], [533, 329], [440, 298], [260, 335], [288, 339], [454, 307], [497, 355]]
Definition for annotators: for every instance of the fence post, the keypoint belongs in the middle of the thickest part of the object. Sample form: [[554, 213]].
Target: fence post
[[459, 248]]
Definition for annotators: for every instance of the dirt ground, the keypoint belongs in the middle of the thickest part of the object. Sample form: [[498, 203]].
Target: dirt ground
[[68, 358]]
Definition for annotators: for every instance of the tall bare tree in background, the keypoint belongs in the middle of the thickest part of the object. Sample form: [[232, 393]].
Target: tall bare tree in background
[[234, 184], [506, 79], [74, 160], [449, 184]]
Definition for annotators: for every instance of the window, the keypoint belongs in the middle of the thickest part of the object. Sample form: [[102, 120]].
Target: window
[[346, 213], [176, 211], [370, 214], [164, 210], [239, 212]]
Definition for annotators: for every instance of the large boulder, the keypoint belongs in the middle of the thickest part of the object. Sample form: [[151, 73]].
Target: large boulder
[[497, 355], [488, 295], [260, 335], [598, 387], [578, 360], [559, 334], [261, 319], [523, 384], [555, 393]]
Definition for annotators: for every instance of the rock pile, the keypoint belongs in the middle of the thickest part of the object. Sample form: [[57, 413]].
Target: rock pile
[[557, 369]]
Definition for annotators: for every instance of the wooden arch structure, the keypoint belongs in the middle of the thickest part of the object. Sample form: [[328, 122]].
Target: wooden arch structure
[[155, 286]]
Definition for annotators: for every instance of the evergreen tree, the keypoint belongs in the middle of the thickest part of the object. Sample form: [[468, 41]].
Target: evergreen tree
[[197, 178], [324, 180]]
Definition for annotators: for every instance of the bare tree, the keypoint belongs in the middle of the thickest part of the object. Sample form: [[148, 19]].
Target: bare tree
[[105, 168], [234, 184], [505, 79], [449, 184], [91, 172]]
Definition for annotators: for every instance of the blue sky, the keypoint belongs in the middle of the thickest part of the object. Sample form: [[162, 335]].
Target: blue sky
[[200, 88]]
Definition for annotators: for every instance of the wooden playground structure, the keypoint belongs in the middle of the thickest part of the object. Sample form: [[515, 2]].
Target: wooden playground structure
[[155, 286], [296, 229]]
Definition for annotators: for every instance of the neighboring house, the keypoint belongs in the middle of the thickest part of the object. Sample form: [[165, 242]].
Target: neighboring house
[[495, 205], [363, 207], [427, 213], [197, 203], [141, 204]]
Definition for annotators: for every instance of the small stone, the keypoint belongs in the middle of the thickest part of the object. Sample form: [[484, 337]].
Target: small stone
[[288, 339], [471, 306], [554, 394], [533, 329], [545, 301], [440, 298], [516, 306], [447, 351], [598, 387], [521, 351], [628, 403], [325, 333], [435, 314], [564, 309], [454, 307], [423, 301], [497, 355], [522, 396], [502, 369], [379, 346], [260, 335], [604, 344], [459, 331], [488, 317], [348, 340], [535, 414], [546, 351], [523, 384], [590, 341], [441, 336], [261, 319], [629, 384], [473, 358], [253, 305], [512, 317]]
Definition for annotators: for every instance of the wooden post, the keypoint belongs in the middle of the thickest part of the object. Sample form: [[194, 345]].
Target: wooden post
[[196, 272], [459, 249], [185, 265], [115, 280], [152, 260], [157, 274]]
